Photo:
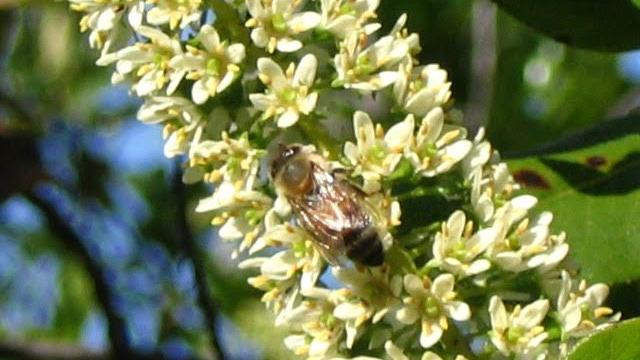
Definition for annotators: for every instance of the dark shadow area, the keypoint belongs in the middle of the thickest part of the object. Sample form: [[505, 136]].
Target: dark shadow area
[[625, 299], [622, 178], [603, 132]]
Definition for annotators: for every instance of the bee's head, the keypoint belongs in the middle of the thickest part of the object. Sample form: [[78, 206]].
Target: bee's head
[[290, 168], [282, 156]]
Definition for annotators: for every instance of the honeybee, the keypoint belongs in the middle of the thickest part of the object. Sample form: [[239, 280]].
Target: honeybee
[[331, 209]]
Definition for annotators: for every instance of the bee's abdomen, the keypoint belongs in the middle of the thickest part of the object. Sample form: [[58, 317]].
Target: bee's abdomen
[[364, 247]]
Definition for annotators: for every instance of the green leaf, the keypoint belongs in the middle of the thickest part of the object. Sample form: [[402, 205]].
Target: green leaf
[[620, 342], [591, 24], [636, 3], [547, 90], [591, 182]]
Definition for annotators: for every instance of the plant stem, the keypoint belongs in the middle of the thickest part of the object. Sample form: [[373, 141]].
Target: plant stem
[[193, 252]]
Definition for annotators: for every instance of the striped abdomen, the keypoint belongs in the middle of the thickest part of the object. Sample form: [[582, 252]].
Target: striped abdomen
[[364, 246]]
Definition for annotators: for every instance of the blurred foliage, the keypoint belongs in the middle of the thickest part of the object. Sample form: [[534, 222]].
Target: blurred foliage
[[545, 90], [58, 115]]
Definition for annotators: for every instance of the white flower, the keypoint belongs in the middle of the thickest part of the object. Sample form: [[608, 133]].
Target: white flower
[[491, 182], [489, 190], [182, 122], [174, 12], [521, 245], [213, 68], [301, 251], [520, 331], [148, 63], [432, 304], [400, 32], [456, 251], [478, 157], [341, 17], [228, 196], [230, 159], [420, 90], [317, 331], [580, 310], [300, 264], [103, 17], [368, 298], [371, 68], [233, 166], [354, 314], [375, 153], [395, 353], [277, 23], [288, 93], [376, 287], [438, 146]]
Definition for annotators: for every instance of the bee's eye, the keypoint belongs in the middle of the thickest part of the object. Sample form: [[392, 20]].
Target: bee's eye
[[296, 173]]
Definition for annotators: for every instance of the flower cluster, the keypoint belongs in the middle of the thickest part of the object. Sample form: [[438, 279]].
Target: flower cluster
[[228, 92]]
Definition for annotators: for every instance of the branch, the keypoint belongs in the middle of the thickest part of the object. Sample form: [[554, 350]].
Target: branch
[[40, 350], [60, 225], [17, 109], [193, 252], [19, 349], [628, 103], [483, 64]]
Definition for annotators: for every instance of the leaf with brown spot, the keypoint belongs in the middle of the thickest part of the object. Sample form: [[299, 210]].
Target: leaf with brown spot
[[530, 179], [597, 201], [596, 161]]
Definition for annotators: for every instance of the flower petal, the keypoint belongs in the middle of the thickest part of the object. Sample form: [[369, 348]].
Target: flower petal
[[271, 73], [348, 311], [394, 352], [306, 71], [413, 285], [532, 314], [400, 135], [455, 225], [407, 314], [209, 38], [236, 53], [304, 21], [288, 118], [430, 335], [498, 314], [458, 310], [431, 127], [430, 356], [288, 45], [363, 128], [443, 286], [199, 92]]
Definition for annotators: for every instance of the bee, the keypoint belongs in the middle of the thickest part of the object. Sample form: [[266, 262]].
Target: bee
[[328, 207]]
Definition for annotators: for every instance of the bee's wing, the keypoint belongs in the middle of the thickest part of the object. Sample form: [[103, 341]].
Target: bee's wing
[[332, 210]]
